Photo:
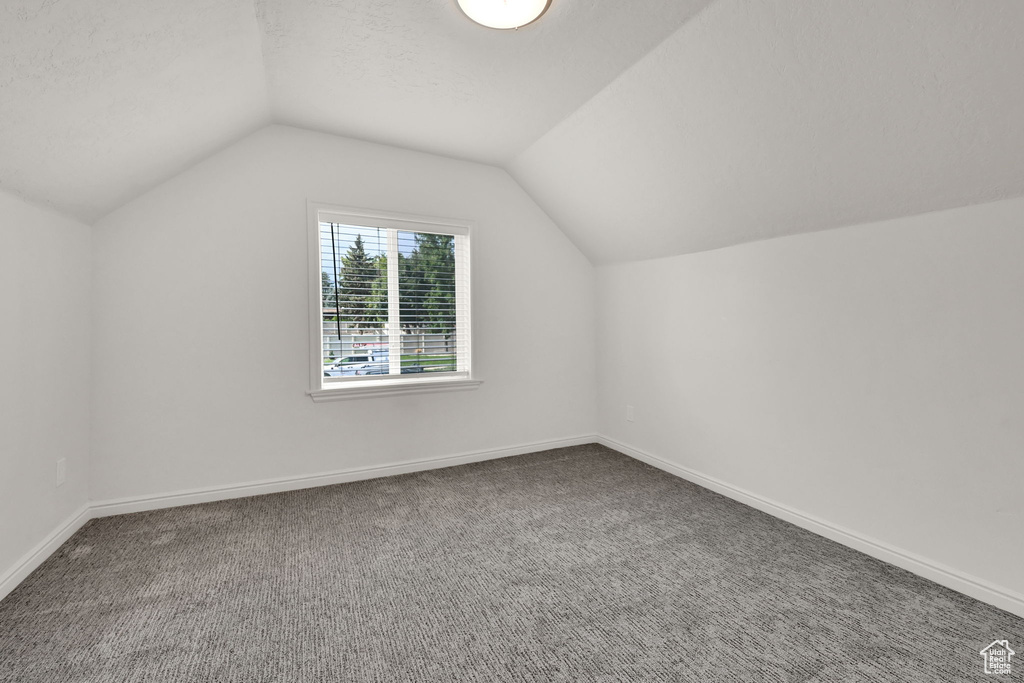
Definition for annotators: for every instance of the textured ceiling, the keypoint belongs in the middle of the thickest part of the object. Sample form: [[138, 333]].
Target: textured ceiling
[[419, 74], [102, 99], [762, 118], [643, 129]]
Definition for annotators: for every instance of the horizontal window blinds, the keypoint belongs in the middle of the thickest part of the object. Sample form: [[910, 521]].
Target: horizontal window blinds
[[394, 302]]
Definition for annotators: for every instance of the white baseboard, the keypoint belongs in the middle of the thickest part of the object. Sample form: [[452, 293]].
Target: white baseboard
[[946, 576], [941, 574], [35, 557], [122, 506], [11, 578]]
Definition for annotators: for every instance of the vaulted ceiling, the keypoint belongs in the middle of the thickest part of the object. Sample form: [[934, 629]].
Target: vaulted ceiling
[[102, 99], [762, 118], [644, 129]]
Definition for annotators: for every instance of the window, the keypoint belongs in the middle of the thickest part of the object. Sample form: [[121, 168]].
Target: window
[[389, 304]]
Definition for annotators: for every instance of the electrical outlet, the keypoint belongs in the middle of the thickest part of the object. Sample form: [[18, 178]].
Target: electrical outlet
[[629, 413], [62, 471]]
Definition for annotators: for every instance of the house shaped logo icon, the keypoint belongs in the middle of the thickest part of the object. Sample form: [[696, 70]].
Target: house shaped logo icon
[[997, 657]]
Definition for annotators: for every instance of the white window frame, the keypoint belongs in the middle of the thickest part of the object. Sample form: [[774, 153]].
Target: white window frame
[[385, 385]]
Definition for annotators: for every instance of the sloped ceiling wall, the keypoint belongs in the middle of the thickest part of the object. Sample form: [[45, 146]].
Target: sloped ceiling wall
[[767, 117], [643, 129], [102, 99], [420, 75]]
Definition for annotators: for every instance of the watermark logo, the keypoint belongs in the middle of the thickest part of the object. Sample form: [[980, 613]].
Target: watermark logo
[[997, 657]]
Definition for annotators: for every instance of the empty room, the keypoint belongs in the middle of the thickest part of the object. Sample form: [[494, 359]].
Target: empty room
[[511, 340]]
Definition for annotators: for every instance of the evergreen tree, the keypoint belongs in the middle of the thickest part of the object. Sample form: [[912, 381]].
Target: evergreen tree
[[355, 288], [330, 301], [377, 305]]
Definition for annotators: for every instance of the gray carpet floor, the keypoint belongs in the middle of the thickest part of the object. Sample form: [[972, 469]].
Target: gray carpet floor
[[576, 564]]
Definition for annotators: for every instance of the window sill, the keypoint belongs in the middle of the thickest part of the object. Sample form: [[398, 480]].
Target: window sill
[[392, 388]]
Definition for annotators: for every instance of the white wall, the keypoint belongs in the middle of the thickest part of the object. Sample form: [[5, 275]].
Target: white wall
[[871, 376], [45, 280], [201, 352]]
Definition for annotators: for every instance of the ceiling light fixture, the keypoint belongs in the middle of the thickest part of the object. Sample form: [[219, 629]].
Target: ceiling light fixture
[[504, 14]]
